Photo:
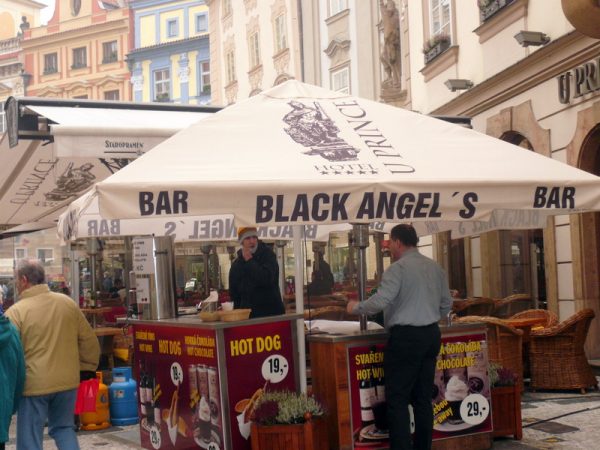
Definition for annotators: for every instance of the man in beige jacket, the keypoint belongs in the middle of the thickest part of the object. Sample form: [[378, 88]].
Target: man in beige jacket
[[58, 343]]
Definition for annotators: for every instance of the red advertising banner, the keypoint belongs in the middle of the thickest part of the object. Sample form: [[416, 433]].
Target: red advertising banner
[[259, 358], [367, 396], [461, 394], [178, 385]]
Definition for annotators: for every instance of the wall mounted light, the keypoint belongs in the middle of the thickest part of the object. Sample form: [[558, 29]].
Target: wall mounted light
[[527, 38], [458, 84]]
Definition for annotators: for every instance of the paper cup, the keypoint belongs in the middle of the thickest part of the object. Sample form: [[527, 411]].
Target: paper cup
[[227, 306]]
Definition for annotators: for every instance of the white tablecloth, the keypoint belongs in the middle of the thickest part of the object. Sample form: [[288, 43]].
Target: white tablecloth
[[339, 326]]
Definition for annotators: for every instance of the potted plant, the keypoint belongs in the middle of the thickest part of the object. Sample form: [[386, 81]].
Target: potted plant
[[506, 402], [487, 8], [435, 46], [286, 416]]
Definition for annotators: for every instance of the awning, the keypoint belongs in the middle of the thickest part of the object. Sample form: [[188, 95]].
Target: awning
[[121, 133], [56, 149]]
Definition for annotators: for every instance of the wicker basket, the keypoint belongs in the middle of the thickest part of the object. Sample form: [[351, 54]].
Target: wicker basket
[[234, 315], [208, 316]]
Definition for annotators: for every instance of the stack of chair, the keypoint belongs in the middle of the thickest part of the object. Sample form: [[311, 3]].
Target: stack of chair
[[557, 356], [505, 343], [509, 306], [481, 306]]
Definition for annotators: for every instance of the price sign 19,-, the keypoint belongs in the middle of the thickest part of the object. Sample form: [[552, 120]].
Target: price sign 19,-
[[275, 368], [474, 409], [176, 373]]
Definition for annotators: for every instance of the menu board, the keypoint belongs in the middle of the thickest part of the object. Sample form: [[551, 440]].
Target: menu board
[[259, 358], [460, 398], [178, 388]]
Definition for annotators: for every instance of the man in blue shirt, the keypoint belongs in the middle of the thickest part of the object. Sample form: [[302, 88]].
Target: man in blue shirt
[[413, 296]]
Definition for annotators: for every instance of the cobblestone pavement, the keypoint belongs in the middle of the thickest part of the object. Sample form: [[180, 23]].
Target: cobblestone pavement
[[551, 420]]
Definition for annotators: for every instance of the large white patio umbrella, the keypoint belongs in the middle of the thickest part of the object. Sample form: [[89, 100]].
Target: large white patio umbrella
[[299, 154]]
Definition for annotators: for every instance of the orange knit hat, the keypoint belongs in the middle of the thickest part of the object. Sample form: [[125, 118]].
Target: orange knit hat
[[245, 232]]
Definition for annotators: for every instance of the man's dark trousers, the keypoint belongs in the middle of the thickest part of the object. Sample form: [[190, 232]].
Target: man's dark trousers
[[410, 357]]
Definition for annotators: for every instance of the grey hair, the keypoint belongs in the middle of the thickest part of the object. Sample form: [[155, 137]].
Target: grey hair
[[33, 270]]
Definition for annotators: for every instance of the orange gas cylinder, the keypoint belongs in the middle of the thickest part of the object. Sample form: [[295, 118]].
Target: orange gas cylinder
[[101, 418]]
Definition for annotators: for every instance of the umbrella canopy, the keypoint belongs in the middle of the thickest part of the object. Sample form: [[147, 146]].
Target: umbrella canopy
[[300, 154], [83, 220]]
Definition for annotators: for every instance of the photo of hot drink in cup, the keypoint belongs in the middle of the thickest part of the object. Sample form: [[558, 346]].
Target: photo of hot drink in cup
[[204, 425], [456, 391]]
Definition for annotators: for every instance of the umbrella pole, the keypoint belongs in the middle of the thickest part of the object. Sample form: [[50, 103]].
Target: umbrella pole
[[298, 232], [361, 241]]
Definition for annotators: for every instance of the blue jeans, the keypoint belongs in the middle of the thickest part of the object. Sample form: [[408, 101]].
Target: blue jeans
[[58, 409]]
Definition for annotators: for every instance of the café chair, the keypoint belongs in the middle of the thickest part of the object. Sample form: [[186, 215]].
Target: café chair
[[557, 357], [509, 306], [547, 318], [504, 342], [481, 306]]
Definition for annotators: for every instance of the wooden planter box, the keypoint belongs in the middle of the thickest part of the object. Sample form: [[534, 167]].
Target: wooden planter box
[[436, 51], [302, 436], [492, 8], [506, 411]]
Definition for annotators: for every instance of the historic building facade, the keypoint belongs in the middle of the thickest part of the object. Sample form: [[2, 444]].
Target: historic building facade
[[254, 45], [523, 74], [16, 16], [170, 61], [81, 52]]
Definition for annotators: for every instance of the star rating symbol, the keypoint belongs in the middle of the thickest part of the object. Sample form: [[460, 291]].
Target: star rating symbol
[[361, 172], [324, 172], [337, 172], [349, 172], [373, 172]]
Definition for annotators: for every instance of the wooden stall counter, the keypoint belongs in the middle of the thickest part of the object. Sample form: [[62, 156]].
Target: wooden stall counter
[[198, 379], [347, 376]]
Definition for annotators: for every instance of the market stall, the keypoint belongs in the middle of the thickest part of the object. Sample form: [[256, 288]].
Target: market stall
[[190, 392], [301, 155], [354, 385]]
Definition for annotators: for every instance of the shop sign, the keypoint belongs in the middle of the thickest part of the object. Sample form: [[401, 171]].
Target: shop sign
[[259, 358], [180, 397], [460, 399], [579, 81]]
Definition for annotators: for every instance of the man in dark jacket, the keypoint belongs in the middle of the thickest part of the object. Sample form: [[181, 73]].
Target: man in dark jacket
[[254, 277]]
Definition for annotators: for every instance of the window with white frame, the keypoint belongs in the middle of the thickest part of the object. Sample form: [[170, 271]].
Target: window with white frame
[[280, 33], [162, 84], [50, 63], [45, 255], [110, 52], [204, 77], [172, 28], [79, 57], [20, 253], [440, 22], [230, 61], [254, 50], [202, 23], [340, 80], [336, 6]]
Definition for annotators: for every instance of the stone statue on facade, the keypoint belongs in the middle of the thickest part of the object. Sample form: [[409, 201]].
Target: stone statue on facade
[[390, 56]]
